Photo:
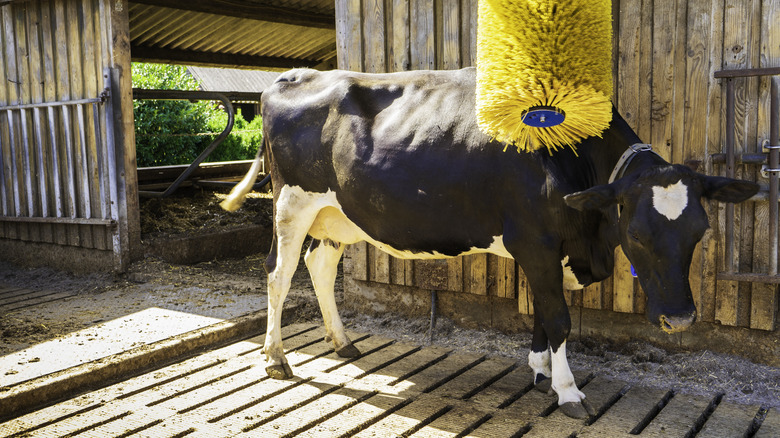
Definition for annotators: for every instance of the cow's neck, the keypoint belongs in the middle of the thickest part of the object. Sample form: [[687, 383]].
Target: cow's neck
[[634, 152], [640, 160]]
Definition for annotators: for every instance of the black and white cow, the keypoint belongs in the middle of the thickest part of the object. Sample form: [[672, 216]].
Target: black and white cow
[[397, 160]]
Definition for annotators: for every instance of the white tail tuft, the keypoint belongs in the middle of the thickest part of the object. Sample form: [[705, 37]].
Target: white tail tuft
[[236, 198]]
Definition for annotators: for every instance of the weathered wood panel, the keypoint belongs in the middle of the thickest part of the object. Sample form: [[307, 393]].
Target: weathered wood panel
[[665, 58], [56, 183]]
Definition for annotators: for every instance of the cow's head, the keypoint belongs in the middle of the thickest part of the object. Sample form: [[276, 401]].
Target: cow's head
[[661, 221]]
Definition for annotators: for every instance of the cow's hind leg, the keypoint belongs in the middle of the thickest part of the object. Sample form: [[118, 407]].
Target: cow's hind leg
[[292, 219], [322, 260]]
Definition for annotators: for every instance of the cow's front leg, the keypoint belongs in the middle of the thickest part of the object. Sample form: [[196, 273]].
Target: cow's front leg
[[539, 357], [552, 324], [322, 261]]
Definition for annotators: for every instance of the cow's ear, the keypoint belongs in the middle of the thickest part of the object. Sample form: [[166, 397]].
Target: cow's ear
[[727, 189], [594, 198]]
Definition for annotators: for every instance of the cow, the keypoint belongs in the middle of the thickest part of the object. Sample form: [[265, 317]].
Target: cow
[[398, 160]]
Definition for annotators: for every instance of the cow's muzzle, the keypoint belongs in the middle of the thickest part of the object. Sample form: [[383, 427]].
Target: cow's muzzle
[[677, 323]]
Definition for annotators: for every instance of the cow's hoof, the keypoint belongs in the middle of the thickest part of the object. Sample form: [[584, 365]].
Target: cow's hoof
[[279, 372], [543, 384], [575, 410], [348, 351]]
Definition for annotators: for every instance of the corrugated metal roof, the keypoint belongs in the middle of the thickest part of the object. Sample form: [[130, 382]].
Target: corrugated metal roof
[[226, 79], [268, 34]]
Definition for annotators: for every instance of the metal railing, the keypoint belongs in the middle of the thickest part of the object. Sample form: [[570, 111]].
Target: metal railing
[[771, 166], [225, 98]]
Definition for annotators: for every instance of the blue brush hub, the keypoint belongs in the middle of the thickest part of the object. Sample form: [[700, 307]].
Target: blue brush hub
[[543, 116]]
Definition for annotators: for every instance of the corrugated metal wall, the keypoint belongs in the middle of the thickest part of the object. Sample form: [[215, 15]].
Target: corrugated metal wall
[[665, 57], [58, 181]]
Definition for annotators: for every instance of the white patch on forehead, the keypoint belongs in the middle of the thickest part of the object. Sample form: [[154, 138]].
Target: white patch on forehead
[[670, 201]]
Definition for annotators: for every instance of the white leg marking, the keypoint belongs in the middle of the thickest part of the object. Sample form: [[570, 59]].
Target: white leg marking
[[295, 212], [570, 281], [671, 201], [540, 362], [322, 263], [562, 379]]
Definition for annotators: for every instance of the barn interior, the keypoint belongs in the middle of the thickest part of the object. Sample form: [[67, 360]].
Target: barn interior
[[667, 85]]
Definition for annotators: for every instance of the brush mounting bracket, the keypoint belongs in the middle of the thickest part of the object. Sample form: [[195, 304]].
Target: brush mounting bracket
[[543, 116]]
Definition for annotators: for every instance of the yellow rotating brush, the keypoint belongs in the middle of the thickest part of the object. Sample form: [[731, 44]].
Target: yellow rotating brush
[[544, 71]]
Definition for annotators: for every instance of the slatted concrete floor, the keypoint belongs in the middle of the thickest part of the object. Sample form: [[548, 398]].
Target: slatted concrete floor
[[393, 389], [16, 298]]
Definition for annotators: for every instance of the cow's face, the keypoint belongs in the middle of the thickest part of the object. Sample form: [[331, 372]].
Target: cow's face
[[661, 221]]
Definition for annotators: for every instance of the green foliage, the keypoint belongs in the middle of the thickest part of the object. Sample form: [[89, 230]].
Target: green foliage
[[166, 131], [243, 141]]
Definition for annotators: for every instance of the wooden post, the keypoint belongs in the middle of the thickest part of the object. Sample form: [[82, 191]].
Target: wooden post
[[124, 134]]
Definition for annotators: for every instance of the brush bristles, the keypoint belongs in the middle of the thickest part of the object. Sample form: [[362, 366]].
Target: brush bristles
[[542, 53]]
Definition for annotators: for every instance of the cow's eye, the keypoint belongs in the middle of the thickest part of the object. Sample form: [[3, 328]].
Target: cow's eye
[[634, 236]]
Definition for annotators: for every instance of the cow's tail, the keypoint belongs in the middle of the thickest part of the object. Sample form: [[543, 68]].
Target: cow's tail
[[236, 198]]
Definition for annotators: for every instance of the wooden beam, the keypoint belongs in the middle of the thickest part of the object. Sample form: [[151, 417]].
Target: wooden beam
[[190, 57], [250, 10]]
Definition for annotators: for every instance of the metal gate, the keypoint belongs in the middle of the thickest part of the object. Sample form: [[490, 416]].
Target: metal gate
[[770, 162], [58, 173]]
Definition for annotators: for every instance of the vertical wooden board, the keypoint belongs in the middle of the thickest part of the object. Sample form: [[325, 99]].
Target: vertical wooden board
[[455, 274], [726, 303], [409, 272], [628, 62], [678, 145], [397, 271], [358, 260], [738, 29], [714, 144], [374, 34], [646, 71], [663, 45], [93, 83], [591, 296], [470, 24], [21, 143], [423, 29], [35, 72], [708, 287], [475, 274], [11, 84], [451, 36], [697, 80], [349, 38], [491, 271], [505, 278], [640, 298], [399, 53], [525, 302], [622, 284], [378, 265], [631, 82], [6, 193]]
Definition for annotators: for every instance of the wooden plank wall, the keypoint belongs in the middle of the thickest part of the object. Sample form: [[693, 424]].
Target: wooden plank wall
[[665, 55], [54, 186]]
